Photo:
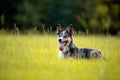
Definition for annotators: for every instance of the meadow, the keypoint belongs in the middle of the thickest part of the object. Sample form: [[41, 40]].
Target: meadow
[[35, 57]]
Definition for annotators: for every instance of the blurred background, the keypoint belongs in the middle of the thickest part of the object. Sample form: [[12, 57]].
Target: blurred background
[[87, 16]]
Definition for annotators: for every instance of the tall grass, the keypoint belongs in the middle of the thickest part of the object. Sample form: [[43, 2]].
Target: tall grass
[[30, 57]]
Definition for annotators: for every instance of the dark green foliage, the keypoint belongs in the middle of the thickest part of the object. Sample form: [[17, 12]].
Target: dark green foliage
[[27, 15], [88, 16]]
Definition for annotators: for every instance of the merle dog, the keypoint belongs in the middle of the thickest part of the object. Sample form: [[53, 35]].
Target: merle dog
[[67, 48]]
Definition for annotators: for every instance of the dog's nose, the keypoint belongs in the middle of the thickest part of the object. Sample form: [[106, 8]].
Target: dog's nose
[[60, 40]]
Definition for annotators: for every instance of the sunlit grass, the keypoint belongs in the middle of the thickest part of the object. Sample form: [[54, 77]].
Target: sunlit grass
[[30, 57]]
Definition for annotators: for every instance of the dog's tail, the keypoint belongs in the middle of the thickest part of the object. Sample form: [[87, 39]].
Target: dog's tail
[[101, 56]]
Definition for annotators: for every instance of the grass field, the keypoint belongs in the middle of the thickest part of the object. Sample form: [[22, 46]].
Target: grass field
[[35, 57]]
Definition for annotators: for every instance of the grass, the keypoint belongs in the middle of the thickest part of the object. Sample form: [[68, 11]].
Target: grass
[[35, 57]]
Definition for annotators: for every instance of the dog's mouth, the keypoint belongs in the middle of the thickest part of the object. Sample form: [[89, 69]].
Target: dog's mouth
[[62, 45]]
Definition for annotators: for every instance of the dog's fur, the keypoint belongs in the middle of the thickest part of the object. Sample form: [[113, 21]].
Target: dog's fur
[[67, 48]]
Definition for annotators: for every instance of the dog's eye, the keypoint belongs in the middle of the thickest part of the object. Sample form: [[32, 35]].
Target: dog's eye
[[65, 36], [60, 35]]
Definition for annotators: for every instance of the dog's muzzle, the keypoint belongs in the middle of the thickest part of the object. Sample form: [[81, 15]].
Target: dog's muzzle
[[62, 44]]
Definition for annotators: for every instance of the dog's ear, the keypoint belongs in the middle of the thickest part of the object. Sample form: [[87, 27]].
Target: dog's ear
[[70, 29], [59, 29]]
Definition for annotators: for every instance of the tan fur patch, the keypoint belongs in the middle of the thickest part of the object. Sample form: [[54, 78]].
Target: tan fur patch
[[68, 39]]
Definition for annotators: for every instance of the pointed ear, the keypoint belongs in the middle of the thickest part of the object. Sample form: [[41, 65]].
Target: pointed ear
[[59, 29], [70, 29]]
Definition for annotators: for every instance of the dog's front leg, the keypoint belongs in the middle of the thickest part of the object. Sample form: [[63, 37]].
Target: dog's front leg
[[61, 55]]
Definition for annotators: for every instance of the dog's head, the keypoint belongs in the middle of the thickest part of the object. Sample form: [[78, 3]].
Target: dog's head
[[65, 36]]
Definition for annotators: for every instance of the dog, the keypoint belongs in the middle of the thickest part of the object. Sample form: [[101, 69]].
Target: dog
[[67, 49]]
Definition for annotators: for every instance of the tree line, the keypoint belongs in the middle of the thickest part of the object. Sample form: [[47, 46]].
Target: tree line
[[87, 16]]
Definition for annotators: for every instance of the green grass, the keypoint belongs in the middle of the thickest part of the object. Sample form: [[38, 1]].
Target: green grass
[[35, 57]]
